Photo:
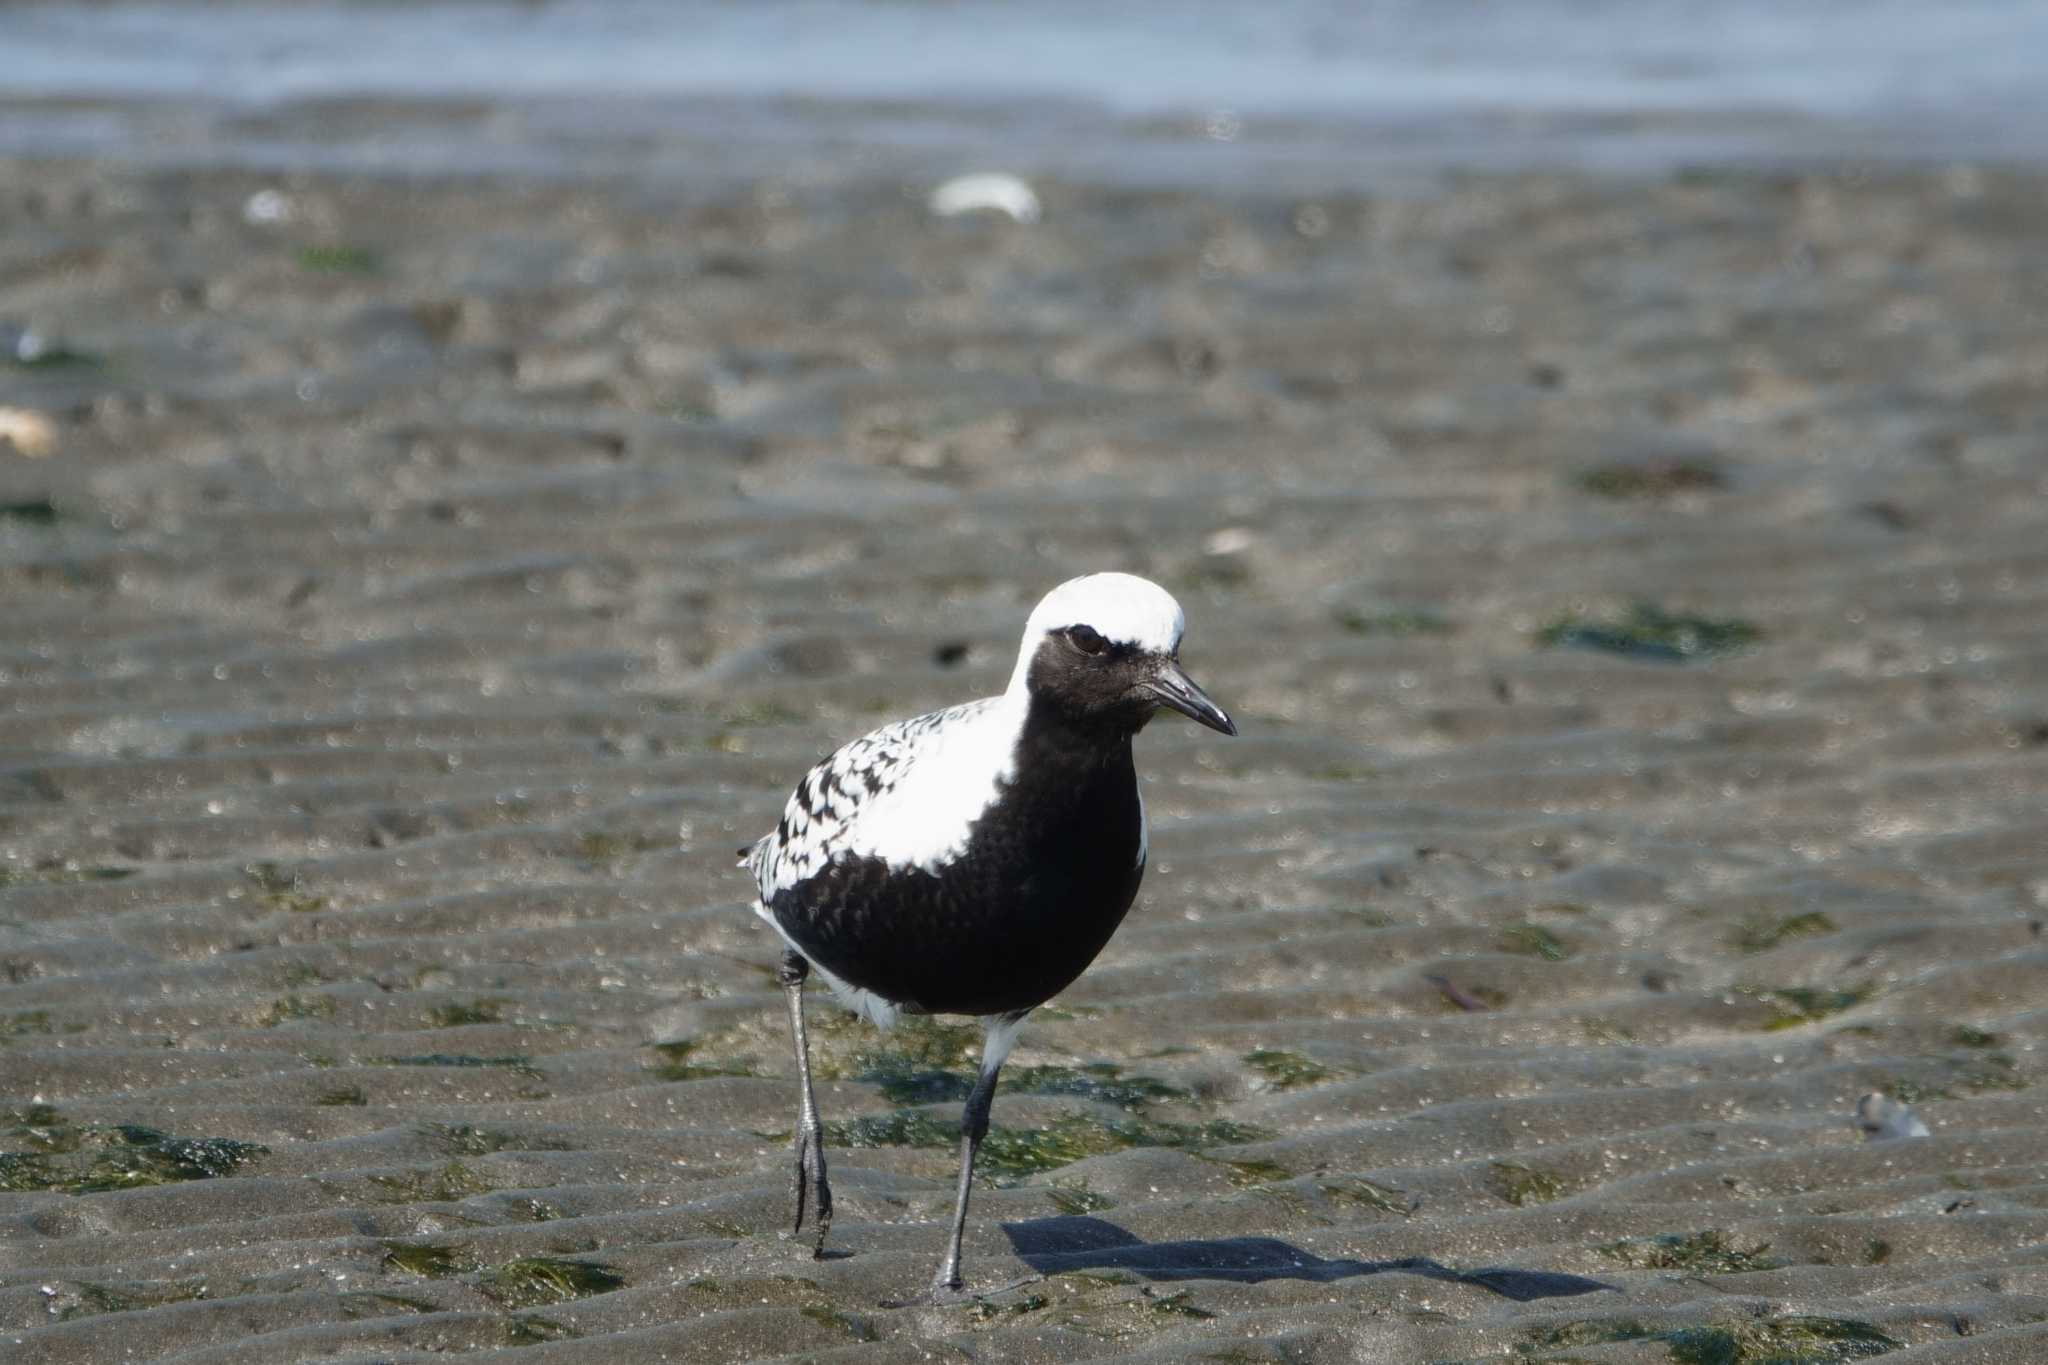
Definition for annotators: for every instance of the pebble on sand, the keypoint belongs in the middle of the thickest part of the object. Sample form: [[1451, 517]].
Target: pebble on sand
[[1880, 1117]]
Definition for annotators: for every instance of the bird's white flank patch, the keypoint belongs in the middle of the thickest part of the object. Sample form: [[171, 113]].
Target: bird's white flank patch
[[1144, 828], [998, 1036]]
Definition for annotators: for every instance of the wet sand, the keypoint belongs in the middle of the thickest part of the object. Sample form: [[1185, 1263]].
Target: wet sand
[[1631, 593]]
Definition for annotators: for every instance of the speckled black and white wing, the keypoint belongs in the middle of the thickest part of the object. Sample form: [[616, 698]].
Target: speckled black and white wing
[[908, 794]]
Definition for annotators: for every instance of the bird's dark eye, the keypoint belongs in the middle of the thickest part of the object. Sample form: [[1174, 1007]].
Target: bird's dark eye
[[1086, 639]]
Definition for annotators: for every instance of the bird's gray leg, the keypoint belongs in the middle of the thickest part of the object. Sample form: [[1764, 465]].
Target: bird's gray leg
[[973, 1128], [809, 1178], [1000, 1037]]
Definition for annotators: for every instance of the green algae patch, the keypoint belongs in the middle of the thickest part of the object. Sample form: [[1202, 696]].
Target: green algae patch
[[1114, 1315], [460, 1014], [427, 1260], [353, 1299], [1566, 1336], [30, 511], [1966, 1036], [676, 1063], [920, 1061], [1356, 1192], [603, 848], [342, 1096], [1252, 1171], [464, 1061], [280, 889], [903, 1082], [1179, 1305], [26, 1024], [269, 877], [1700, 1253], [1793, 1006], [1074, 1198], [40, 1126], [1781, 1341], [1014, 1152], [292, 1009], [1522, 1185], [1651, 480], [1761, 933], [337, 258], [60, 873], [982, 1310], [924, 1061], [1019, 1152], [450, 1183], [93, 1159], [1995, 1071], [44, 357], [531, 1281], [1793, 1340], [1649, 632], [464, 1139], [528, 1329], [1392, 623], [1103, 1082], [85, 1300], [1533, 940], [898, 1128], [753, 714], [1287, 1070], [856, 1327], [1607, 1032]]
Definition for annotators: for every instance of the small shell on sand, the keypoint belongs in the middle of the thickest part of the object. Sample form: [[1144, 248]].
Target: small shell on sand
[[267, 206], [30, 433], [992, 190], [1880, 1116]]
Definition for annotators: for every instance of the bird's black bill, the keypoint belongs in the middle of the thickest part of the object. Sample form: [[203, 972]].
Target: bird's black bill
[[1176, 689]]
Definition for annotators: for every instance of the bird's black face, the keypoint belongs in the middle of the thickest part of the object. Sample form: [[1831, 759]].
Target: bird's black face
[[1096, 680]]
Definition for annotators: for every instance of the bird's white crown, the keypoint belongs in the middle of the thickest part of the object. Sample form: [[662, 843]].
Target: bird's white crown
[[1123, 608]]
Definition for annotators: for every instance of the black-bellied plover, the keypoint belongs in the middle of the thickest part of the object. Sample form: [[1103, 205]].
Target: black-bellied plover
[[975, 860]]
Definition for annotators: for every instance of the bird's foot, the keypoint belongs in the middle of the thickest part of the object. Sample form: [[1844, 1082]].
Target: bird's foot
[[946, 1293], [810, 1189]]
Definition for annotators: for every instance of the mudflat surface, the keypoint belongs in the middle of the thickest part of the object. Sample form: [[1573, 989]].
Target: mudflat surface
[[1631, 592]]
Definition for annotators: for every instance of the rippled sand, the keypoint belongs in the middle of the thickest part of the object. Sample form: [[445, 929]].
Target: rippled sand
[[1632, 595]]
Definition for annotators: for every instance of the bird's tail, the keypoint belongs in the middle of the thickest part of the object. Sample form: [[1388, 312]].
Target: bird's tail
[[754, 856]]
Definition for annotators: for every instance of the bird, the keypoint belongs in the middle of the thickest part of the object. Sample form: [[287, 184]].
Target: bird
[[973, 861]]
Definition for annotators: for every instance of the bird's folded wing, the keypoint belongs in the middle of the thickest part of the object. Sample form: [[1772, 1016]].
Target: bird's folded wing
[[908, 794]]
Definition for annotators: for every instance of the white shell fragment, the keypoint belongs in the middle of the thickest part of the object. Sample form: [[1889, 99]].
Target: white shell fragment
[[267, 206], [30, 433], [1881, 1117], [994, 191], [24, 344]]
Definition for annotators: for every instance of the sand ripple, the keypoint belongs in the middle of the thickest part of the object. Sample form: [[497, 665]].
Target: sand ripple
[[1631, 596]]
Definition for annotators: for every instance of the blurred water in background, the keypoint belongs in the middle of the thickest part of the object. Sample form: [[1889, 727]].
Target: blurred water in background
[[1313, 91]]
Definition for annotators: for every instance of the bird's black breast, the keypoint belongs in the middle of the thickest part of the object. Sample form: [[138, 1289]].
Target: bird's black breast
[[1047, 874]]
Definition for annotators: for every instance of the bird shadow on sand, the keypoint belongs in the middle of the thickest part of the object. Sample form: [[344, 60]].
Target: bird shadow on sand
[[1056, 1246]]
